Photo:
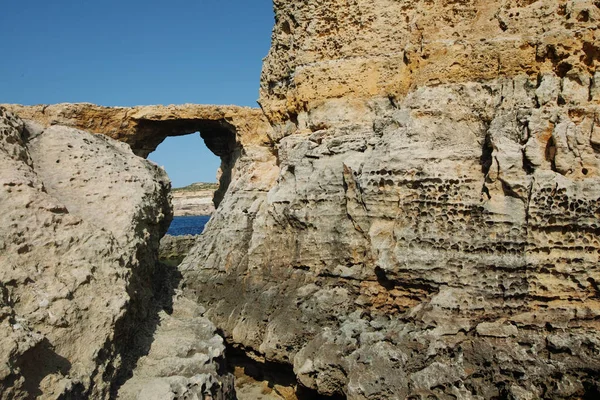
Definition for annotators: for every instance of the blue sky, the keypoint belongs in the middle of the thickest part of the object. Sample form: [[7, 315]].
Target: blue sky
[[133, 52]]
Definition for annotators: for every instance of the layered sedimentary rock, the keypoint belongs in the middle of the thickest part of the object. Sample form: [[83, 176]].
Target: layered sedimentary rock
[[186, 204], [428, 225], [195, 199], [80, 287]]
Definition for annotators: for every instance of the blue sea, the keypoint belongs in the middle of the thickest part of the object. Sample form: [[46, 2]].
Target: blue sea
[[189, 225]]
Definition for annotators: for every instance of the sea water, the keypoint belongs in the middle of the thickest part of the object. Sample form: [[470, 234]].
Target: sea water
[[188, 225]]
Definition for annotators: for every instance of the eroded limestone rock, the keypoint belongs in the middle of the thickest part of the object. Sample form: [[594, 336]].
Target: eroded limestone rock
[[81, 219], [430, 227], [420, 218], [81, 291], [145, 127]]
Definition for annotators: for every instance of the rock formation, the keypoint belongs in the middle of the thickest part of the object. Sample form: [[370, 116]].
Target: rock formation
[[432, 229], [225, 129], [145, 127], [80, 286], [419, 218]]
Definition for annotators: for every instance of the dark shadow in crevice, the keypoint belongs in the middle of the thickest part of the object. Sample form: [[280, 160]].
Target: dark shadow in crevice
[[486, 159], [275, 373], [550, 153], [37, 363], [592, 390]]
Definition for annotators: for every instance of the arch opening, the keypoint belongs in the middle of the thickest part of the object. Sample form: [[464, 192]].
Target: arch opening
[[198, 156]]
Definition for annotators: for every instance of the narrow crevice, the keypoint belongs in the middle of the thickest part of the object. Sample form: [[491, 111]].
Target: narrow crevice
[[135, 332], [509, 191], [256, 373], [528, 166], [550, 153], [486, 155], [486, 160]]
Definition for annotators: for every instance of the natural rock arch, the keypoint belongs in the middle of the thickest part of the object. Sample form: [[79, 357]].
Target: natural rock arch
[[224, 129]]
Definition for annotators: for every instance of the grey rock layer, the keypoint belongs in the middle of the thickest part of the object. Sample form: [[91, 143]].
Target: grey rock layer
[[445, 244]]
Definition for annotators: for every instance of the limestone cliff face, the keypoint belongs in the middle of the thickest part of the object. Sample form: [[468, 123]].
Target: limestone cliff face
[[360, 49], [195, 199], [426, 220]]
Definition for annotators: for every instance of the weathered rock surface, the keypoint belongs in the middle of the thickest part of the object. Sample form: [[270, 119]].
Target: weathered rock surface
[[429, 225], [81, 219], [362, 49], [421, 217], [225, 129], [186, 360], [80, 286], [145, 127]]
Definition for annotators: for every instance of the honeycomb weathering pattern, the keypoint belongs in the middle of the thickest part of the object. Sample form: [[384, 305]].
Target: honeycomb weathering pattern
[[432, 225]]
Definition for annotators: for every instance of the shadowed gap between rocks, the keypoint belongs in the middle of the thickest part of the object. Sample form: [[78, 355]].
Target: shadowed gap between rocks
[[141, 333], [280, 377], [158, 287], [220, 138], [40, 361]]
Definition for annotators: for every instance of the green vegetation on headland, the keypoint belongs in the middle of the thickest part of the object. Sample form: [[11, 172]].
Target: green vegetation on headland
[[197, 186]]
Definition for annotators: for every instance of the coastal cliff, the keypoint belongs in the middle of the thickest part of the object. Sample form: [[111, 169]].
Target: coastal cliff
[[432, 228], [414, 211], [194, 199]]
